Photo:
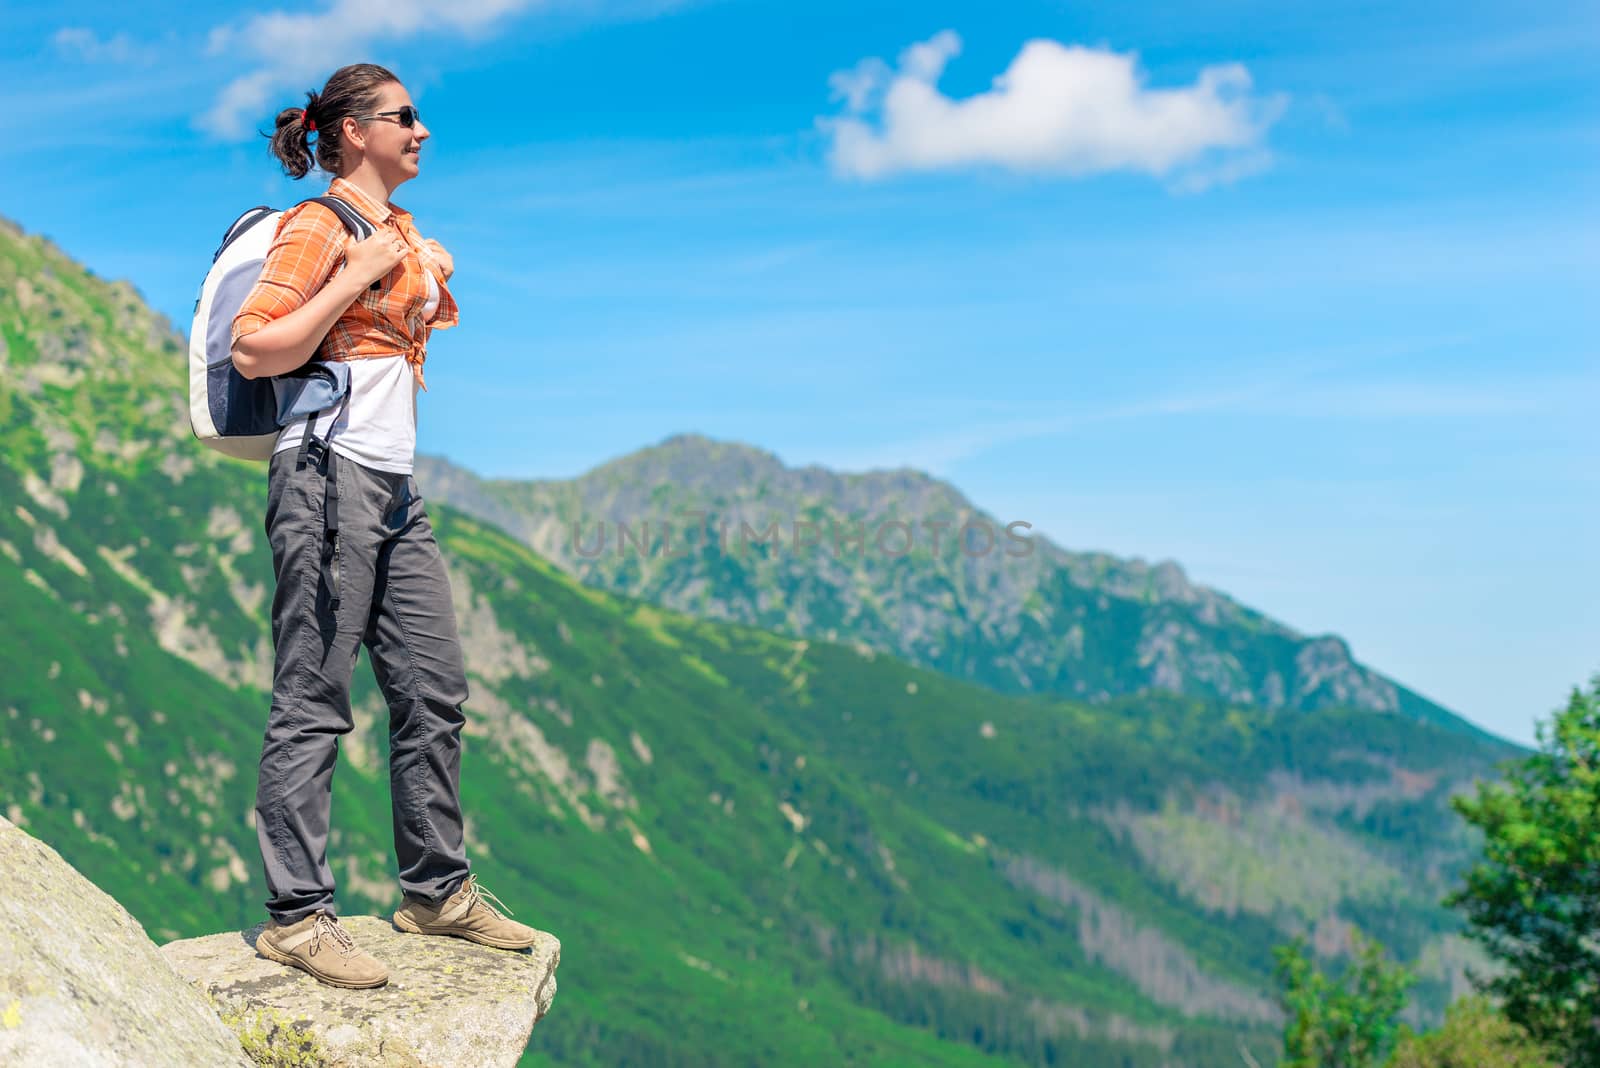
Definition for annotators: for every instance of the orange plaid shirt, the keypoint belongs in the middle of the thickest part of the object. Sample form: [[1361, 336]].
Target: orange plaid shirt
[[309, 247]]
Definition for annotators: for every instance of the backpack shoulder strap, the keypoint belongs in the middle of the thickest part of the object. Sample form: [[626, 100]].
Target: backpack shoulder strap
[[353, 220], [239, 226]]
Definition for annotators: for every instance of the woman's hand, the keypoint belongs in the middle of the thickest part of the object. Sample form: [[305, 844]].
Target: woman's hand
[[375, 257], [447, 262]]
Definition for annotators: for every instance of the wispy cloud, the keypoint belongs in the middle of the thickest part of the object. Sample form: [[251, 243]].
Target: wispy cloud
[[293, 50], [1061, 109], [1278, 396], [81, 43], [1416, 399]]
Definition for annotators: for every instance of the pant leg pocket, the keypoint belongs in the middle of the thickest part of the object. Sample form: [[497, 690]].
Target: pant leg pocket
[[294, 494]]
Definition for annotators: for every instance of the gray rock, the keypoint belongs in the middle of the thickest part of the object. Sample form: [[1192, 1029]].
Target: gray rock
[[80, 981], [448, 1002]]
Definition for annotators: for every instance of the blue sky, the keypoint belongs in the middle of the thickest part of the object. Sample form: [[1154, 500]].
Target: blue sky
[[1300, 296]]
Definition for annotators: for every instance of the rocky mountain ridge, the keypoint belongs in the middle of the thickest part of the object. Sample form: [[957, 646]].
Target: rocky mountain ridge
[[718, 529]]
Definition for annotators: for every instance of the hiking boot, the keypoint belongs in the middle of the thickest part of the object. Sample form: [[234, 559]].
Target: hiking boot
[[317, 944], [466, 914]]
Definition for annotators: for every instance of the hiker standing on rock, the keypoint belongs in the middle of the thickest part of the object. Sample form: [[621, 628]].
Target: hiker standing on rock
[[347, 471]]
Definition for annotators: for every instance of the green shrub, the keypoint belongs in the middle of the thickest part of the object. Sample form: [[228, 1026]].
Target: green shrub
[[1348, 1022], [1474, 1035]]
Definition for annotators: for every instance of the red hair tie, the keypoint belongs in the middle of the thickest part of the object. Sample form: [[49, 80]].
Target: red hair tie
[[307, 121]]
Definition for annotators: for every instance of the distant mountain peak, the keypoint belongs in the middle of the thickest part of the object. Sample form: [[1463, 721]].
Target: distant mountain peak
[[1088, 625]]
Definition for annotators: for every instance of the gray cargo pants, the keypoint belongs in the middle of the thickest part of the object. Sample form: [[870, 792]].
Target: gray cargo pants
[[394, 598]]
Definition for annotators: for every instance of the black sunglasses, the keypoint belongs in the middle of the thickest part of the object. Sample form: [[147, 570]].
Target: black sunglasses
[[407, 116]]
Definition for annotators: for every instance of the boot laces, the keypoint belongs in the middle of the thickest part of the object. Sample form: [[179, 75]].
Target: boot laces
[[325, 926], [476, 895]]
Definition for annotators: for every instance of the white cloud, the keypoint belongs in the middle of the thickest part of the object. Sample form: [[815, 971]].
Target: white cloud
[[1057, 109], [1222, 171], [82, 43], [293, 52]]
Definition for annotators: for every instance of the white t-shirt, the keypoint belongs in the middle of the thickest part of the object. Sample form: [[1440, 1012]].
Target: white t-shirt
[[379, 428]]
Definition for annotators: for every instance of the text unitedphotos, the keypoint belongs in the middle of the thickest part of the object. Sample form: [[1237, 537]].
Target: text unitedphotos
[[889, 537]]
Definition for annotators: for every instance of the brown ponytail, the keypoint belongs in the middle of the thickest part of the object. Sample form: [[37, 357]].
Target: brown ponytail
[[350, 91]]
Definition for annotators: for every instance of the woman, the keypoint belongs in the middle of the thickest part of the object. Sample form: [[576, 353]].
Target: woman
[[352, 548]]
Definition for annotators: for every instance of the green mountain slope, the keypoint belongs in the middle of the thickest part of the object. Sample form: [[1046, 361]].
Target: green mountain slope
[[907, 565], [755, 848]]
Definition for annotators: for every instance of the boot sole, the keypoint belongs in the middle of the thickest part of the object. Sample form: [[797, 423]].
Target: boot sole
[[407, 924], [295, 962]]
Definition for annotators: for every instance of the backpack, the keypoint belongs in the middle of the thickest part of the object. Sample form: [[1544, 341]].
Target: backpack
[[242, 416]]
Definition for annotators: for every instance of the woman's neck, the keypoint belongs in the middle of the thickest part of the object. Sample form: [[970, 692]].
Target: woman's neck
[[367, 180]]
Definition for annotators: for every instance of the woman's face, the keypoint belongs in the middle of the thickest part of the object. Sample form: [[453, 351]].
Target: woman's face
[[392, 149]]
